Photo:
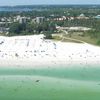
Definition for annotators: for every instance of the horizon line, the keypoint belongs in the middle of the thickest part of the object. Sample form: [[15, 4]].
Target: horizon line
[[47, 5]]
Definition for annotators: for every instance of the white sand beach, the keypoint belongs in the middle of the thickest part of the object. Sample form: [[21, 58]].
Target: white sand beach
[[34, 51]]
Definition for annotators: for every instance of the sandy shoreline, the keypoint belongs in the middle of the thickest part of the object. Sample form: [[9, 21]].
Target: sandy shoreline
[[32, 51]]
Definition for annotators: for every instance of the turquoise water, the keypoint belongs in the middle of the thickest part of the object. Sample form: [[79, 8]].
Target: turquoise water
[[70, 83], [73, 72]]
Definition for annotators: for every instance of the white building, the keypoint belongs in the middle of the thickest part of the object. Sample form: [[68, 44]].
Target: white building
[[21, 19], [39, 19]]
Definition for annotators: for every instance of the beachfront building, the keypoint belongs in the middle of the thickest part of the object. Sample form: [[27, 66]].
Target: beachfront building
[[39, 19], [21, 19]]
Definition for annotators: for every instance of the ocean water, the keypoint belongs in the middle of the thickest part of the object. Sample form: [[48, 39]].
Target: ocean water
[[70, 83]]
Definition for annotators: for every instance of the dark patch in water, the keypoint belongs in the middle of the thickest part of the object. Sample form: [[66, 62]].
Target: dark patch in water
[[37, 81]]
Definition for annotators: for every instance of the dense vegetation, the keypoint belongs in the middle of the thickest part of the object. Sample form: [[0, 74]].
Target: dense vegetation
[[55, 11], [32, 28]]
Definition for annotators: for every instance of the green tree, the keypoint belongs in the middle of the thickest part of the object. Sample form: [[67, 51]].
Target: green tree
[[48, 35], [17, 28]]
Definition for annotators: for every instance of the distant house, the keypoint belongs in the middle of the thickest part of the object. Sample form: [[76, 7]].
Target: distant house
[[56, 18], [97, 17], [82, 16], [5, 21], [4, 30]]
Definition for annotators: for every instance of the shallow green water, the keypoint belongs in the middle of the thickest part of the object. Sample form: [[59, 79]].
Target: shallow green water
[[74, 72], [71, 83]]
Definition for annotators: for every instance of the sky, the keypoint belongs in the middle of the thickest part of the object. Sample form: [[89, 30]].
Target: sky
[[37, 2]]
